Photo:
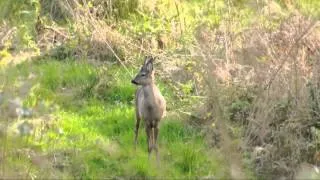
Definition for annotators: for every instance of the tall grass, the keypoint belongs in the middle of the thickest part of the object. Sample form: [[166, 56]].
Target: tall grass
[[265, 92]]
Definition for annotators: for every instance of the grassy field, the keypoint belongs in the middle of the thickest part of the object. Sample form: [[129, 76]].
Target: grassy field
[[239, 77], [90, 132]]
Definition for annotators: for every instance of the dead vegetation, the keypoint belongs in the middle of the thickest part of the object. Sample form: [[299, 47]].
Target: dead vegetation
[[270, 81]]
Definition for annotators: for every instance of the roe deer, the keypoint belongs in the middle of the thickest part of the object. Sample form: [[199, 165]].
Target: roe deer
[[150, 105]]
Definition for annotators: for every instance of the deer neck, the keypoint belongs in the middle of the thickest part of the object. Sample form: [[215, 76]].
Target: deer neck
[[149, 92]]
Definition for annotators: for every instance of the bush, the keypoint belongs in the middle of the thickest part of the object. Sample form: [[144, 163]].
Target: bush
[[24, 16]]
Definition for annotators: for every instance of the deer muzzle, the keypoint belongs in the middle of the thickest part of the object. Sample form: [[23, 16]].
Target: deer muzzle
[[134, 82]]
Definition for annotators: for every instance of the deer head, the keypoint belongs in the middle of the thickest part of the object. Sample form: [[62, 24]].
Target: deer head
[[145, 75]]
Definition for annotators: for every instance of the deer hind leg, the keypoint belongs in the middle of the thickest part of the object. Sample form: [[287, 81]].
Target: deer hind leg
[[149, 140], [155, 145], [136, 129]]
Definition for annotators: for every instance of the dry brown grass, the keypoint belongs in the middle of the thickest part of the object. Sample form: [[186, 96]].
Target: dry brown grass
[[276, 73]]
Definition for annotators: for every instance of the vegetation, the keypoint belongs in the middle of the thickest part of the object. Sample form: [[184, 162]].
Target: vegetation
[[240, 79], [91, 132]]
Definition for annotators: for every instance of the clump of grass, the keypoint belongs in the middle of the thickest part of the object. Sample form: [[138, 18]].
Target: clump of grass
[[188, 160], [176, 130], [140, 167]]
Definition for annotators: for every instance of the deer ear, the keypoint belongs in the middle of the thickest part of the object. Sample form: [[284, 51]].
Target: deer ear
[[149, 65], [147, 59]]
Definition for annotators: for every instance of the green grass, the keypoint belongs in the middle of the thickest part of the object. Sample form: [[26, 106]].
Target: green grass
[[310, 7], [96, 132]]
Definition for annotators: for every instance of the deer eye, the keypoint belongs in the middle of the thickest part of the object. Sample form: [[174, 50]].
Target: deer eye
[[143, 74]]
